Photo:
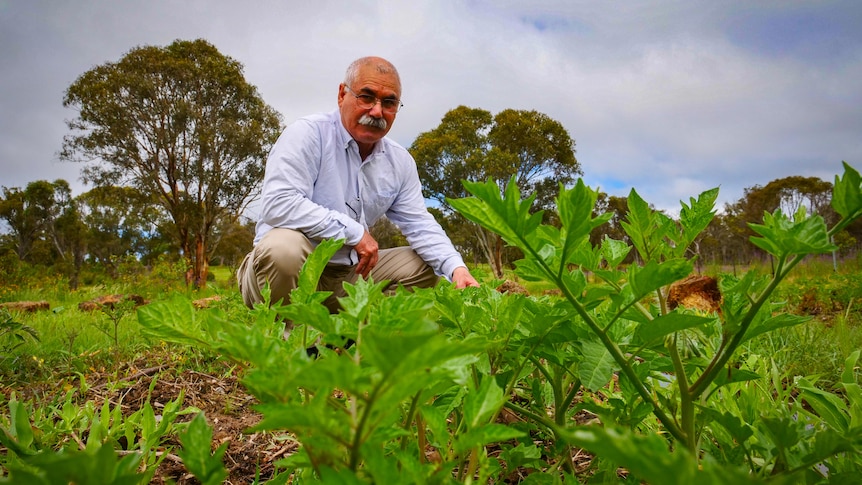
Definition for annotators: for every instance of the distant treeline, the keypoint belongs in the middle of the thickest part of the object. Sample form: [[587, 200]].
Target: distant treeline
[[100, 231]]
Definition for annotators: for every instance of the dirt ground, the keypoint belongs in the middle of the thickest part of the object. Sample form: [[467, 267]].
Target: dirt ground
[[228, 409]]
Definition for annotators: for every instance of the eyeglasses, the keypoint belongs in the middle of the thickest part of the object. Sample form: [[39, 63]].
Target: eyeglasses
[[367, 101]]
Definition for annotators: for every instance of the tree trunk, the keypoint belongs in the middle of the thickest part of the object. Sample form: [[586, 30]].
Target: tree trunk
[[492, 246], [78, 255], [201, 265], [498, 257]]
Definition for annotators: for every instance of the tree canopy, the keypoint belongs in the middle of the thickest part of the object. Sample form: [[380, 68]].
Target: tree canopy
[[471, 144], [179, 122]]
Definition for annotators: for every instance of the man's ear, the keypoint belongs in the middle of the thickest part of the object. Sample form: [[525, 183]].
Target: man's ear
[[341, 93]]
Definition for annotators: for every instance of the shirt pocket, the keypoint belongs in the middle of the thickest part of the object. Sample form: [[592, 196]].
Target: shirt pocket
[[378, 203]]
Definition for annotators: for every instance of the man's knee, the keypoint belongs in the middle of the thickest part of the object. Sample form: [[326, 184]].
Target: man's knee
[[275, 260], [402, 266]]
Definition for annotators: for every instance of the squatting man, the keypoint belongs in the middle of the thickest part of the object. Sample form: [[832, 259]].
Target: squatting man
[[331, 176]]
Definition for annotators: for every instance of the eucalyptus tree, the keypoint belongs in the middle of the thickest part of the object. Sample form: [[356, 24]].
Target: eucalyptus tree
[[179, 122], [122, 222], [471, 144], [30, 214]]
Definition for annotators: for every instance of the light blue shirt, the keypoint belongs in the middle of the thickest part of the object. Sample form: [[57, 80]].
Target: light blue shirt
[[316, 183]]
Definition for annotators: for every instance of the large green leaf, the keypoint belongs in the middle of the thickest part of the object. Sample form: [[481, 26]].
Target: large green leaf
[[597, 367], [484, 435], [509, 217], [638, 223], [614, 251], [484, 402], [773, 323], [782, 236], [648, 458], [739, 430], [695, 218], [847, 194], [667, 324], [653, 275], [312, 268], [174, 320], [575, 207]]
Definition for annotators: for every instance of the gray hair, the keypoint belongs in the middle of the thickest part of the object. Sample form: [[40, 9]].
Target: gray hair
[[381, 65]]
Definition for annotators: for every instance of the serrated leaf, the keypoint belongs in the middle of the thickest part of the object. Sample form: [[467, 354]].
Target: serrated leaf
[[614, 251], [773, 323], [486, 434], [667, 324], [847, 194], [733, 424], [484, 402], [648, 458], [784, 431], [696, 217], [653, 275], [575, 207], [312, 268], [597, 367], [507, 216], [361, 297], [173, 320], [638, 222], [521, 455], [781, 236], [195, 453]]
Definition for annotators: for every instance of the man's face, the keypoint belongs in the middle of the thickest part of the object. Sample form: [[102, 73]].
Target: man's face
[[363, 123]]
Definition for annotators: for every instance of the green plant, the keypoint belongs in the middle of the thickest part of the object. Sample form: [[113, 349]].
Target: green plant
[[196, 441], [642, 338], [13, 334], [114, 313], [355, 406], [86, 444], [440, 385]]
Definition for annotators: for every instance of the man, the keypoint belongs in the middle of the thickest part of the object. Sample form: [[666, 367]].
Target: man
[[331, 176]]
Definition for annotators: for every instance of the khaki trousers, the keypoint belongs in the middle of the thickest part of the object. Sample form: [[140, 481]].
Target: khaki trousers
[[278, 257]]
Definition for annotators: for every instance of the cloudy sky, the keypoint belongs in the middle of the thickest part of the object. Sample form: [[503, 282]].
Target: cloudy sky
[[668, 97]]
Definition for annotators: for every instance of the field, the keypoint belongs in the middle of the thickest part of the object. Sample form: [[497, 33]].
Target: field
[[576, 368], [97, 364]]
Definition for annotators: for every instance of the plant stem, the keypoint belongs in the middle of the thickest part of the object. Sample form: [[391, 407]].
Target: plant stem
[[720, 359], [560, 415], [609, 344], [686, 403], [356, 445], [414, 404], [624, 364]]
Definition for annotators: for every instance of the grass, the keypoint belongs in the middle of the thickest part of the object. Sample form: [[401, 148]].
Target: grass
[[833, 301], [71, 340], [77, 349], [830, 294]]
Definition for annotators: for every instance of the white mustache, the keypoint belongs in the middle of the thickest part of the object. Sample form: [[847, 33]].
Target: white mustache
[[373, 122]]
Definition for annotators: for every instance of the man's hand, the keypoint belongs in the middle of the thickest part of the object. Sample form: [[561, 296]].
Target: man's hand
[[462, 278], [367, 251]]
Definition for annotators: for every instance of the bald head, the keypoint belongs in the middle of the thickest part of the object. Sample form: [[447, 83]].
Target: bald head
[[375, 64]]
